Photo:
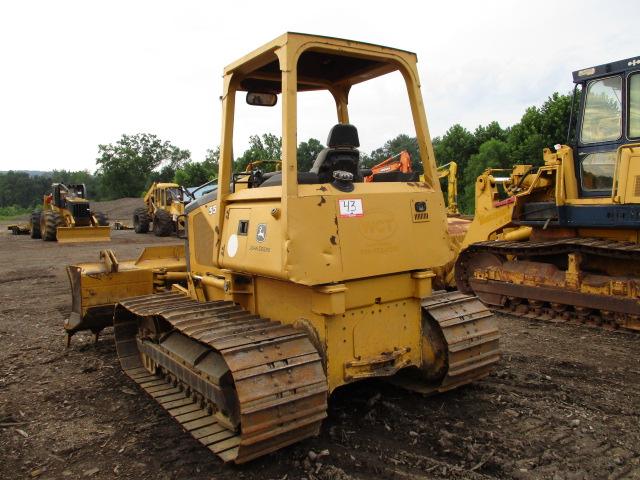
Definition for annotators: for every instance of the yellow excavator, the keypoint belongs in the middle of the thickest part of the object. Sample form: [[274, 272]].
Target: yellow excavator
[[574, 254], [301, 282], [66, 217]]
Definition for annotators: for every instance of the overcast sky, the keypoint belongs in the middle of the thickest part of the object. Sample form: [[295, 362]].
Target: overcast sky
[[77, 74]]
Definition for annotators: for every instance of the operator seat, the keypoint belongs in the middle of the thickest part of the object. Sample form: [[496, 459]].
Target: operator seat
[[341, 153]]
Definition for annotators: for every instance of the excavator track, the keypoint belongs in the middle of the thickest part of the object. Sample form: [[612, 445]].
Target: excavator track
[[242, 385], [593, 298]]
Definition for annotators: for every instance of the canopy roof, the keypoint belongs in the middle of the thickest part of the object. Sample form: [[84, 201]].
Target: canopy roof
[[323, 63]]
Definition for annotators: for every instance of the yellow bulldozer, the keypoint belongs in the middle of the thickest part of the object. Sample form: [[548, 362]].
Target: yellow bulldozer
[[163, 209], [301, 282], [97, 286], [66, 216], [573, 250]]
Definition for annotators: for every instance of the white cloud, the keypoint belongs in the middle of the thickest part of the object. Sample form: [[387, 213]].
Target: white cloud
[[76, 74]]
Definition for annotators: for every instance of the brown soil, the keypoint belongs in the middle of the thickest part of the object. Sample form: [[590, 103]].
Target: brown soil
[[563, 403], [120, 209]]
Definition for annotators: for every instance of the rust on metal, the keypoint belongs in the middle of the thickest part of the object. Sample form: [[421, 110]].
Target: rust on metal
[[242, 385], [585, 280]]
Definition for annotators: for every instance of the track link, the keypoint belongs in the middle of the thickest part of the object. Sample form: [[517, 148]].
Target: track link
[[471, 333], [560, 304], [465, 336], [241, 385]]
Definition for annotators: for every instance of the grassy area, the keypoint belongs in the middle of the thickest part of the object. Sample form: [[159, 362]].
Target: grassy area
[[9, 213]]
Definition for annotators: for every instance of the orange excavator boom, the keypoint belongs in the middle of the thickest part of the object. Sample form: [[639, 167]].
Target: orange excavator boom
[[399, 162]]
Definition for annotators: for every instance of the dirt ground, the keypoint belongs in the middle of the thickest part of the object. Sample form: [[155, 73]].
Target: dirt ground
[[563, 403]]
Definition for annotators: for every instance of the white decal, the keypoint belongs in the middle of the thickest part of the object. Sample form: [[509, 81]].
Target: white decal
[[261, 233], [212, 209], [351, 208], [232, 245]]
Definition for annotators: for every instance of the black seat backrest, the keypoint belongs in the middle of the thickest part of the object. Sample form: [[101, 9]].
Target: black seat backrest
[[341, 153]]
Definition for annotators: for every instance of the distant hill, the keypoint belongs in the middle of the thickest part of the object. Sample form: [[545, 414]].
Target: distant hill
[[32, 173]]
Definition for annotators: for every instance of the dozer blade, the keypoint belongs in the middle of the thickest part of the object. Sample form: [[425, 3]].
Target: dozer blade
[[83, 234], [97, 287]]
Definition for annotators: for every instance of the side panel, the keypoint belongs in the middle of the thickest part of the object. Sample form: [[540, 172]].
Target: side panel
[[252, 238], [386, 231], [630, 164], [355, 335]]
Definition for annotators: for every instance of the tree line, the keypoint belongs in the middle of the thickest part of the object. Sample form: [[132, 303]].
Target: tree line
[[127, 167]]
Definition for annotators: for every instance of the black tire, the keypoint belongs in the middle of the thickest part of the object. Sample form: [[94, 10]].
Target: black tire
[[103, 220], [35, 224], [163, 225], [141, 220], [49, 223]]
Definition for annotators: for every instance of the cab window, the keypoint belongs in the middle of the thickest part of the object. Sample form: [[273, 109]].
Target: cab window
[[634, 105], [597, 170], [602, 116]]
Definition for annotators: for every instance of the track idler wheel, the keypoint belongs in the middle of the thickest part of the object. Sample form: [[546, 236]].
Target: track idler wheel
[[434, 350]]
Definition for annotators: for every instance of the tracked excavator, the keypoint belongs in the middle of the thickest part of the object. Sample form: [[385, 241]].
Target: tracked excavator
[[573, 254], [299, 283], [390, 168], [449, 171]]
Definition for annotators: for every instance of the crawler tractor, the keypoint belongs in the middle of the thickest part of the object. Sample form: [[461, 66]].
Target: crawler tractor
[[66, 216], [573, 251], [299, 283], [164, 209]]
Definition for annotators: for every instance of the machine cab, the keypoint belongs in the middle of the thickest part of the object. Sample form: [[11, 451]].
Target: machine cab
[[608, 118]]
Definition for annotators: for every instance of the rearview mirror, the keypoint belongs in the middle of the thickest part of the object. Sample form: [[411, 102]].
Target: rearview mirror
[[262, 99]]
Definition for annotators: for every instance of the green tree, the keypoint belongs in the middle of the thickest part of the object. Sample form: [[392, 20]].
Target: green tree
[[193, 174], [127, 167], [488, 132], [393, 147], [539, 128], [307, 153], [265, 147], [457, 144], [21, 189]]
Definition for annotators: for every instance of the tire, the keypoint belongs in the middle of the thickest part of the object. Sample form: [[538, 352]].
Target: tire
[[163, 225], [35, 224], [141, 220], [103, 220], [49, 223]]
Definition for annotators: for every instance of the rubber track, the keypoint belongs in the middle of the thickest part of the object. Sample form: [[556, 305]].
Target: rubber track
[[471, 332], [278, 375]]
